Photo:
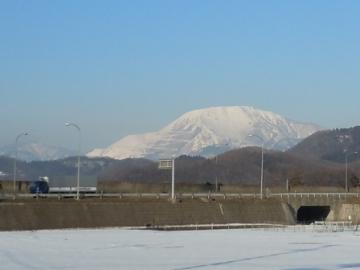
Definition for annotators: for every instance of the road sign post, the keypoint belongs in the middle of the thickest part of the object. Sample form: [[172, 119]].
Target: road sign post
[[169, 164]]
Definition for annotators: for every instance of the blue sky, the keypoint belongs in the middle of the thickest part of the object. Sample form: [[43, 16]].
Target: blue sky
[[125, 67]]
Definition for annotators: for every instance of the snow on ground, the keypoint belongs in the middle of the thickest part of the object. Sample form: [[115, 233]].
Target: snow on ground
[[141, 249]]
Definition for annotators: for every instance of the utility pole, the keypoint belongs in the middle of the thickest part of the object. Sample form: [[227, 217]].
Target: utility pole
[[216, 177], [16, 157]]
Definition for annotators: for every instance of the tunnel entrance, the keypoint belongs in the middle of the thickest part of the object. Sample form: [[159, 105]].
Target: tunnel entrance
[[309, 214]]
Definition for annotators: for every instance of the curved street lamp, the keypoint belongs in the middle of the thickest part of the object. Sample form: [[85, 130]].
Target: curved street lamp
[[78, 163], [16, 156], [262, 162]]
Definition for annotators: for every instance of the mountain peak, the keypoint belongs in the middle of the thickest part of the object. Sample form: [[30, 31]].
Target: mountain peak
[[210, 131]]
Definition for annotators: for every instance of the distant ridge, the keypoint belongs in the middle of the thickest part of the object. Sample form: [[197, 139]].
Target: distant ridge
[[211, 131], [330, 145]]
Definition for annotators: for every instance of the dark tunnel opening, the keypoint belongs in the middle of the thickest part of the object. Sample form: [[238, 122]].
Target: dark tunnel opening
[[309, 214]]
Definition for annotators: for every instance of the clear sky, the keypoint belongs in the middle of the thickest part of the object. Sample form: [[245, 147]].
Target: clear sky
[[125, 67]]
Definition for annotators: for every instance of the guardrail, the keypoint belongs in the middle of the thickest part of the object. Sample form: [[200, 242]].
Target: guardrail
[[315, 195], [7, 196], [214, 226], [128, 195]]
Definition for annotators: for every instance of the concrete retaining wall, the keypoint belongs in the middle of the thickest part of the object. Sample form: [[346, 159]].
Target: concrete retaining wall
[[345, 212], [46, 214]]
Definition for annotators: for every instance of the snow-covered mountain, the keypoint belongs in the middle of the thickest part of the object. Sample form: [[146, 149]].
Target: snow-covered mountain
[[32, 151], [211, 131]]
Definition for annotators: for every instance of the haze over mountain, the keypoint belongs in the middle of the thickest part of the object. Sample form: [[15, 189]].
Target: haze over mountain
[[34, 151], [61, 172], [211, 131]]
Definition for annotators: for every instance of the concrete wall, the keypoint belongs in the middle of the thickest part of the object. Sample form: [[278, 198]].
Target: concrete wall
[[86, 214], [345, 212]]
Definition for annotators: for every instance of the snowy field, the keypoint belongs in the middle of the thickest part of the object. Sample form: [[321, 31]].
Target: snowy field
[[290, 249]]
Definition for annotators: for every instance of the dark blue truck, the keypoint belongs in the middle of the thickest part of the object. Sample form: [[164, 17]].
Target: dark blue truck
[[39, 186]]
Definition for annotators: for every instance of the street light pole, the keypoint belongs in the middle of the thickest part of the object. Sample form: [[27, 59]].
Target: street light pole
[[217, 187], [346, 172], [78, 162], [262, 171], [173, 179], [262, 163], [346, 169], [16, 157], [216, 178]]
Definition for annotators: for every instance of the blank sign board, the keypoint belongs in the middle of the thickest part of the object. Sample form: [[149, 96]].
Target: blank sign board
[[165, 164]]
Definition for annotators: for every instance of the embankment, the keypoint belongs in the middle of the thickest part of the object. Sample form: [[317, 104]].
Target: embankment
[[51, 214]]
